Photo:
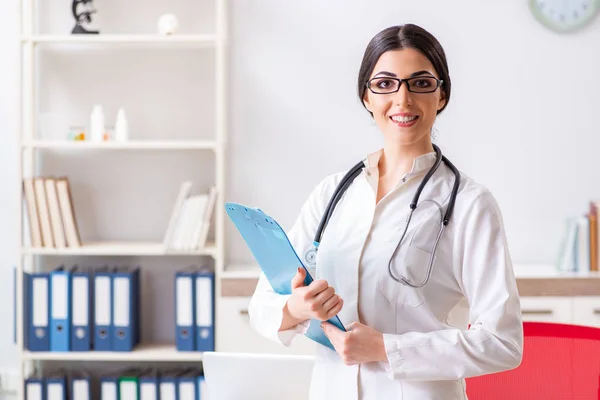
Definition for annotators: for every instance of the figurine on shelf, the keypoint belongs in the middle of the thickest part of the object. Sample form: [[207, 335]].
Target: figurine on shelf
[[82, 11]]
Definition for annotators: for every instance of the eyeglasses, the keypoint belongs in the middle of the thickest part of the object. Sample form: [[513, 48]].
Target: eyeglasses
[[418, 84]]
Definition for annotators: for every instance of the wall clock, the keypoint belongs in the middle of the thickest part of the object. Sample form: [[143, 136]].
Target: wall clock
[[564, 15]]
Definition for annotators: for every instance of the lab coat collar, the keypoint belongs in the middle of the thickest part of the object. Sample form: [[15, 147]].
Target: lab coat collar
[[421, 163]]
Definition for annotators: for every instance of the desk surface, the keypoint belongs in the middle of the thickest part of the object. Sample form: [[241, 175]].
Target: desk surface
[[532, 280]]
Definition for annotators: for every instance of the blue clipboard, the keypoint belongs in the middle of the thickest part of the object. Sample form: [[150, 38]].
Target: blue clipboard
[[276, 257]]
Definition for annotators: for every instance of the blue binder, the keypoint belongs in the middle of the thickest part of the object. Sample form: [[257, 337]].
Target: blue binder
[[60, 306], [80, 386], [185, 315], [37, 304], [35, 388], [81, 310], [168, 387], [56, 386], [202, 391], [276, 257], [205, 310], [148, 382], [103, 301], [187, 384], [109, 387], [125, 308]]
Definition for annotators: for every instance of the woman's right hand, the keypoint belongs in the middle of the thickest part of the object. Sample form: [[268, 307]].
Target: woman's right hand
[[315, 301]]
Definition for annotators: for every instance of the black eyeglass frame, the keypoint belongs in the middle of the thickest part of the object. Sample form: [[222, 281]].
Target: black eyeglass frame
[[400, 81]]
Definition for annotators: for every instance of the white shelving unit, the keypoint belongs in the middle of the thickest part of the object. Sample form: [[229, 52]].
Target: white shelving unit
[[195, 40], [144, 352], [30, 144], [129, 145]]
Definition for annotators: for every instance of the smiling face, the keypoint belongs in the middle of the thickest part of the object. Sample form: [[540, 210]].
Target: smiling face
[[404, 117]]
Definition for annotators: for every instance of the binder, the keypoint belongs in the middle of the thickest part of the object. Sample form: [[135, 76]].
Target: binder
[[187, 385], [37, 304], [148, 383], [185, 330], [60, 315], [202, 390], [102, 309], [125, 316], [276, 257], [109, 387], [205, 310], [81, 310], [129, 384], [80, 386], [35, 388], [56, 387], [168, 385]]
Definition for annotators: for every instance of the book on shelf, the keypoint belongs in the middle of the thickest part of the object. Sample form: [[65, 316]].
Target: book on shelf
[[190, 220], [579, 245], [50, 213]]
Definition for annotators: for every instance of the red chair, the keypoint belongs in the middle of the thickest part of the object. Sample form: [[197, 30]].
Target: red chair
[[559, 362]]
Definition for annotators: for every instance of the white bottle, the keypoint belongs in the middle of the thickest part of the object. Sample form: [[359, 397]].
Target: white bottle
[[121, 128], [97, 124]]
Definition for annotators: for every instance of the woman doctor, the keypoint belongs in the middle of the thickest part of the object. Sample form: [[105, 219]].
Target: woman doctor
[[416, 325]]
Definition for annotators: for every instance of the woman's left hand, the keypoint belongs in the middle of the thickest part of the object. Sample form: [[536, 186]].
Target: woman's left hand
[[360, 344]]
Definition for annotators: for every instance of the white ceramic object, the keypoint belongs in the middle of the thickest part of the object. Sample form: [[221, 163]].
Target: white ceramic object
[[167, 24]]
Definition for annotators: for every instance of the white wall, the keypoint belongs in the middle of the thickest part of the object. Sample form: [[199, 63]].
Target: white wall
[[522, 117]]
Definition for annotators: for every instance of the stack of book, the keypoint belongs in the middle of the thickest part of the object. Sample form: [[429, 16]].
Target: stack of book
[[190, 220], [579, 245], [49, 205]]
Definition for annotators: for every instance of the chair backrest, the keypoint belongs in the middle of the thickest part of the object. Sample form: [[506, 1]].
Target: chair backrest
[[560, 361]]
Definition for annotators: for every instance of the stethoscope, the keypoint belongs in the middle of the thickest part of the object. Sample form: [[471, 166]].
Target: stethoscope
[[347, 181]]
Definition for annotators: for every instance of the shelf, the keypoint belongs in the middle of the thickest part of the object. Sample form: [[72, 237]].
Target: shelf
[[543, 271], [196, 40], [241, 272], [121, 249], [129, 145], [143, 352]]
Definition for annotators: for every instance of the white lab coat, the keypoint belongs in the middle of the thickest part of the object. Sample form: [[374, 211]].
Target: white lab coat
[[428, 341]]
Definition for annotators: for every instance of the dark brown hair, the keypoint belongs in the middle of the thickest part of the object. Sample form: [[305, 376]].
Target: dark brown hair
[[402, 37]]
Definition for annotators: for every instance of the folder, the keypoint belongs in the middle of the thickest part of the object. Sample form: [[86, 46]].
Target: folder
[[148, 383], [81, 310], [109, 387], [125, 308], [205, 310], [80, 386], [35, 388], [187, 385], [102, 309], [37, 304], [185, 330], [276, 257], [202, 390], [129, 384], [56, 387], [60, 314], [168, 384]]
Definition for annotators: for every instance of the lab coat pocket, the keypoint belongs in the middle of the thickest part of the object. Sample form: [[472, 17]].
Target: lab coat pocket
[[397, 293], [416, 265]]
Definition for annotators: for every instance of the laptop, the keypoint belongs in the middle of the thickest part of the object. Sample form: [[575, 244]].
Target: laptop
[[250, 376]]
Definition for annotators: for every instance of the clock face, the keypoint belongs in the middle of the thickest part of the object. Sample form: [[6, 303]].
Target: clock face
[[564, 15]]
